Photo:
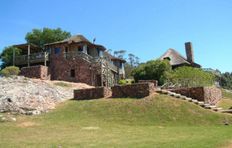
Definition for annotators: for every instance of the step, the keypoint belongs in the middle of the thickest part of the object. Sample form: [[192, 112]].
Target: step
[[195, 101], [201, 103], [188, 99], [212, 106], [164, 92], [217, 109], [183, 97], [177, 95], [171, 94], [207, 106], [227, 111]]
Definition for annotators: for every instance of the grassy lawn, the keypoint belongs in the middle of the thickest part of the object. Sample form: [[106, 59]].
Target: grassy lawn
[[152, 122], [226, 101]]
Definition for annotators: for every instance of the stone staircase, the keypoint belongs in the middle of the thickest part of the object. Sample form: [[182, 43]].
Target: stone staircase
[[200, 103]]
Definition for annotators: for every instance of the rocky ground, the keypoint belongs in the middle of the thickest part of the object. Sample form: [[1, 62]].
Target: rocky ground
[[32, 96]]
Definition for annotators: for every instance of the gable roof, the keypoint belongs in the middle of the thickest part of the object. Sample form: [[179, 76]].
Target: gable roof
[[175, 57]]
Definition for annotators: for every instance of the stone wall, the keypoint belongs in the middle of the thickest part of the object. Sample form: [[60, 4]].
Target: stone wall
[[38, 71], [149, 81], [92, 93], [209, 95], [138, 90]]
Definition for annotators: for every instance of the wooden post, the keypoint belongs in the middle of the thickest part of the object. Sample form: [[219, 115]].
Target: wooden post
[[102, 73], [45, 58], [13, 56], [28, 54]]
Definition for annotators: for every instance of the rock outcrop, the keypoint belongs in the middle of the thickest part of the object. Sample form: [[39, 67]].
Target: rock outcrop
[[32, 96]]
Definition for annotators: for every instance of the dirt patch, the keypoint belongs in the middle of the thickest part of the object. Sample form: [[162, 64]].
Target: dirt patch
[[27, 124], [90, 128]]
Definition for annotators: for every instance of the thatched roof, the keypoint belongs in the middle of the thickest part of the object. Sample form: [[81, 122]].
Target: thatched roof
[[77, 39], [72, 39], [118, 59], [176, 59]]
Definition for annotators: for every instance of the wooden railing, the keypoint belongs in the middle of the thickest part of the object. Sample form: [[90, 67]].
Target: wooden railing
[[88, 58], [32, 58]]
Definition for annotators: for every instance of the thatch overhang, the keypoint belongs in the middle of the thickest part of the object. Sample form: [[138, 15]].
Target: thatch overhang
[[177, 59], [118, 59], [77, 39]]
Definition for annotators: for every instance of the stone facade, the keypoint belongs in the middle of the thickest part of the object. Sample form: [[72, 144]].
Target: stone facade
[[155, 82], [138, 90], [67, 65], [209, 95], [75, 59], [92, 93], [39, 72]]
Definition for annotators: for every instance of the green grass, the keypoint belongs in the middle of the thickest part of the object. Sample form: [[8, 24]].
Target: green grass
[[226, 102], [62, 84], [152, 122]]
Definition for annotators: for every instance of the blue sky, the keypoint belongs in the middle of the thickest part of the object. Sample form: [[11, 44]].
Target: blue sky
[[145, 28]]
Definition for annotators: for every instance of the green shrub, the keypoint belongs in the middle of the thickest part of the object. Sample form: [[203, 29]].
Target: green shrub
[[126, 81], [9, 71], [122, 82], [152, 70], [191, 77]]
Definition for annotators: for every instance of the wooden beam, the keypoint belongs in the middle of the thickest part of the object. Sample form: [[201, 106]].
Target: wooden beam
[[45, 58], [13, 56], [28, 54]]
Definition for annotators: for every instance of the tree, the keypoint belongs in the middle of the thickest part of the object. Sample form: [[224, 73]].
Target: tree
[[152, 70], [7, 56], [131, 58], [43, 36], [191, 77], [226, 80], [120, 53]]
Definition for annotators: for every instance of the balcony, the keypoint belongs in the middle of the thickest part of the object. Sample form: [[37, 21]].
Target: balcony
[[34, 58], [90, 59]]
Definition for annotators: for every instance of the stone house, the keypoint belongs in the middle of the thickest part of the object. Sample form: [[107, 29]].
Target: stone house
[[177, 60], [75, 59]]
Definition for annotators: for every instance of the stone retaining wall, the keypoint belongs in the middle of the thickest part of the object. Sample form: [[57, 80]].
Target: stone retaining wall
[[138, 90], [149, 81], [209, 95], [92, 93], [38, 71]]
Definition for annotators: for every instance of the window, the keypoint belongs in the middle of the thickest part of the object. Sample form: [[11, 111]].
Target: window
[[72, 73], [80, 49], [66, 49], [167, 58], [88, 50], [57, 50]]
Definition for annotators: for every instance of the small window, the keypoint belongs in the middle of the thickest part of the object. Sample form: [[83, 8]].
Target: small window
[[66, 49], [80, 49], [88, 50], [167, 58], [72, 73], [57, 50]]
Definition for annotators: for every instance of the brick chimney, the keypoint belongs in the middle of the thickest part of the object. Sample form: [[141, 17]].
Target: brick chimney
[[189, 52]]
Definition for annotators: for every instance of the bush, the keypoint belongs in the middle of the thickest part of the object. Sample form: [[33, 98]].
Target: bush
[[126, 81], [191, 77], [152, 70], [9, 71]]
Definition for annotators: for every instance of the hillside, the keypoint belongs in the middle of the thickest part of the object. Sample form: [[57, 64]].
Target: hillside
[[159, 121]]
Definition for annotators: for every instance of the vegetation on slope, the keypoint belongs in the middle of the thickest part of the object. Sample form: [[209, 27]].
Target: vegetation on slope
[[226, 102], [159, 121]]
